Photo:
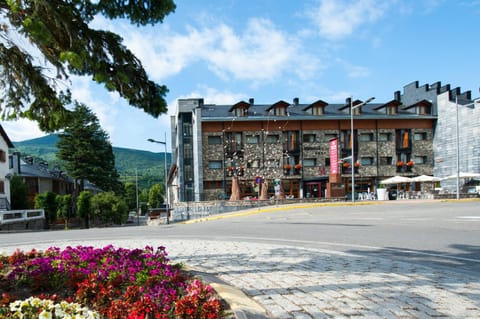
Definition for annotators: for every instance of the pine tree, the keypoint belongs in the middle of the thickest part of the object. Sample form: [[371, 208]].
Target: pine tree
[[87, 152], [43, 42]]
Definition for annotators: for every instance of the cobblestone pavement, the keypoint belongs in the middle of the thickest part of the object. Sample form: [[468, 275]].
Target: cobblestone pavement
[[293, 282]]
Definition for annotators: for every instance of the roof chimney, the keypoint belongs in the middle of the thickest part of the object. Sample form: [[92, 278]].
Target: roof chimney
[[251, 101], [295, 101], [397, 96]]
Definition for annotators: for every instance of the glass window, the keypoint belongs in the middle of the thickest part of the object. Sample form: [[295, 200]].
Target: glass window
[[420, 159], [252, 139], [309, 138], [309, 162], [318, 110], [366, 161], [214, 140], [366, 137], [384, 137], [215, 164], [386, 160], [280, 111], [272, 139], [420, 136]]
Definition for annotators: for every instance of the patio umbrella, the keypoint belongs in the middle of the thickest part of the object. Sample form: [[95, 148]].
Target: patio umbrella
[[235, 189], [264, 191], [463, 175], [426, 178], [396, 180]]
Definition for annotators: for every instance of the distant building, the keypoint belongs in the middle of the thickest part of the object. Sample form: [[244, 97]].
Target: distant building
[[413, 134], [5, 144]]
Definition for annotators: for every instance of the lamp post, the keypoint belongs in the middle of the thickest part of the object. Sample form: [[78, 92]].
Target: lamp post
[[166, 181], [457, 135], [352, 107]]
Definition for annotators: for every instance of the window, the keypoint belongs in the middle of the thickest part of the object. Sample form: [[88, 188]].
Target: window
[[252, 139], [366, 161], [330, 136], [2, 187], [386, 160], [240, 112], [272, 139], [214, 140], [215, 164], [391, 110], [3, 156], [279, 111], [253, 163], [309, 138], [327, 161], [384, 137], [309, 162], [420, 159], [318, 110], [366, 137], [420, 136]]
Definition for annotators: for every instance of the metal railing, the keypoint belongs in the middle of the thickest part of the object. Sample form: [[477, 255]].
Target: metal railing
[[15, 216]]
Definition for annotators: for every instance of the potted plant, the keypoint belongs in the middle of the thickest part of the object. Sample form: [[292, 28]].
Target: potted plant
[[410, 163], [298, 166], [287, 167], [400, 163]]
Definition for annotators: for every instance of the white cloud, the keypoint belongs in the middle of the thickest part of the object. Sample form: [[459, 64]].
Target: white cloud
[[354, 71], [21, 130], [337, 19], [260, 53]]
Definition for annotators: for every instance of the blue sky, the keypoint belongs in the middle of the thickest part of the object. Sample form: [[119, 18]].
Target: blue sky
[[230, 50]]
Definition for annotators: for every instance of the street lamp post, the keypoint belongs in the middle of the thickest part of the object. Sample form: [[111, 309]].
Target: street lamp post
[[166, 181], [352, 107], [457, 135]]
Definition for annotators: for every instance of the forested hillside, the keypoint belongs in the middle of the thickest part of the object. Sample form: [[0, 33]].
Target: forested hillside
[[147, 166]]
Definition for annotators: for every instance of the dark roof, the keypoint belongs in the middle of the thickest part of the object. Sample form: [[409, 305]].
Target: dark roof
[[6, 138], [419, 103], [212, 112]]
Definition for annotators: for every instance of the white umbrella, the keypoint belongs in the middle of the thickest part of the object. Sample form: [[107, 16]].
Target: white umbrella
[[462, 175], [396, 180], [426, 178]]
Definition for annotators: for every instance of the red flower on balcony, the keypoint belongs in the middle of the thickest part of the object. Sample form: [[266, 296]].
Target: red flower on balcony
[[357, 164], [346, 164], [400, 163], [410, 163], [298, 166], [287, 166]]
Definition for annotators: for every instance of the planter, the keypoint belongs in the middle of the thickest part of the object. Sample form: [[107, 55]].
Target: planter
[[382, 194]]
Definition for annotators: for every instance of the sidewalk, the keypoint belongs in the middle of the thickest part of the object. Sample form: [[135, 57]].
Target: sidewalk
[[303, 283]]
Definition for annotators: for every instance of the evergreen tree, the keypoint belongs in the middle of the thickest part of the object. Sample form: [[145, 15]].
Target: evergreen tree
[[155, 196], [47, 202], [87, 152], [84, 206], [18, 193], [34, 81], [131, 196]]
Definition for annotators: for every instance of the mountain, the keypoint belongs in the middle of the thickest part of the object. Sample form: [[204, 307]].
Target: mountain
[[147, 167]]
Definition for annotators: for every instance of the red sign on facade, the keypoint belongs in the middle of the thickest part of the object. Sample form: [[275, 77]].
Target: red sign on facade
[[333, 156]]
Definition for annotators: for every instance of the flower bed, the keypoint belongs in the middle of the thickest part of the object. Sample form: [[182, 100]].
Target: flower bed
[[88, 282]]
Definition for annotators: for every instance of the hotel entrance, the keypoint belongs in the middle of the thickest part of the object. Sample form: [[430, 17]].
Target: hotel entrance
[[314, 189]]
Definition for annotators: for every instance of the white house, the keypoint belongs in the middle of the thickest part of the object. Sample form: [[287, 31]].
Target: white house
[[5, 144]]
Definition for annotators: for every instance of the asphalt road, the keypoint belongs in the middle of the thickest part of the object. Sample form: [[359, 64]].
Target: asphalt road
[[437, 234]]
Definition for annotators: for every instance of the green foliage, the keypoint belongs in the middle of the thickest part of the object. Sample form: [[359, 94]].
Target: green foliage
[[64, 206], [63, 38], [86, 151], [131, 196], [18, 193], [47, 202], [156, 195], [109, 208], [84, 204], [149, 166]]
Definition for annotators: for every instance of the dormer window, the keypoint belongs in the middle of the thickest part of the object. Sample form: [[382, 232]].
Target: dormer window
[[391, 109], [279, 108], [317, 108], [422, 107], [240, 109]]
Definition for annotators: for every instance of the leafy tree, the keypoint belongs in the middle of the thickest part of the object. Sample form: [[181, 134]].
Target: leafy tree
[[156, 196], [64, 207], [34, 77], [47, 202], [86, 150], [131, 196], [18, 193], [108, 207], [84, 206]]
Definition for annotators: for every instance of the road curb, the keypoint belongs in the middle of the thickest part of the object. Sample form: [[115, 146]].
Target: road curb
[[242, 306]]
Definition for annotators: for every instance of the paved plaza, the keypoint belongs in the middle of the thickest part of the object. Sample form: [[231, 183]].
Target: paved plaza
[[294, 282]]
